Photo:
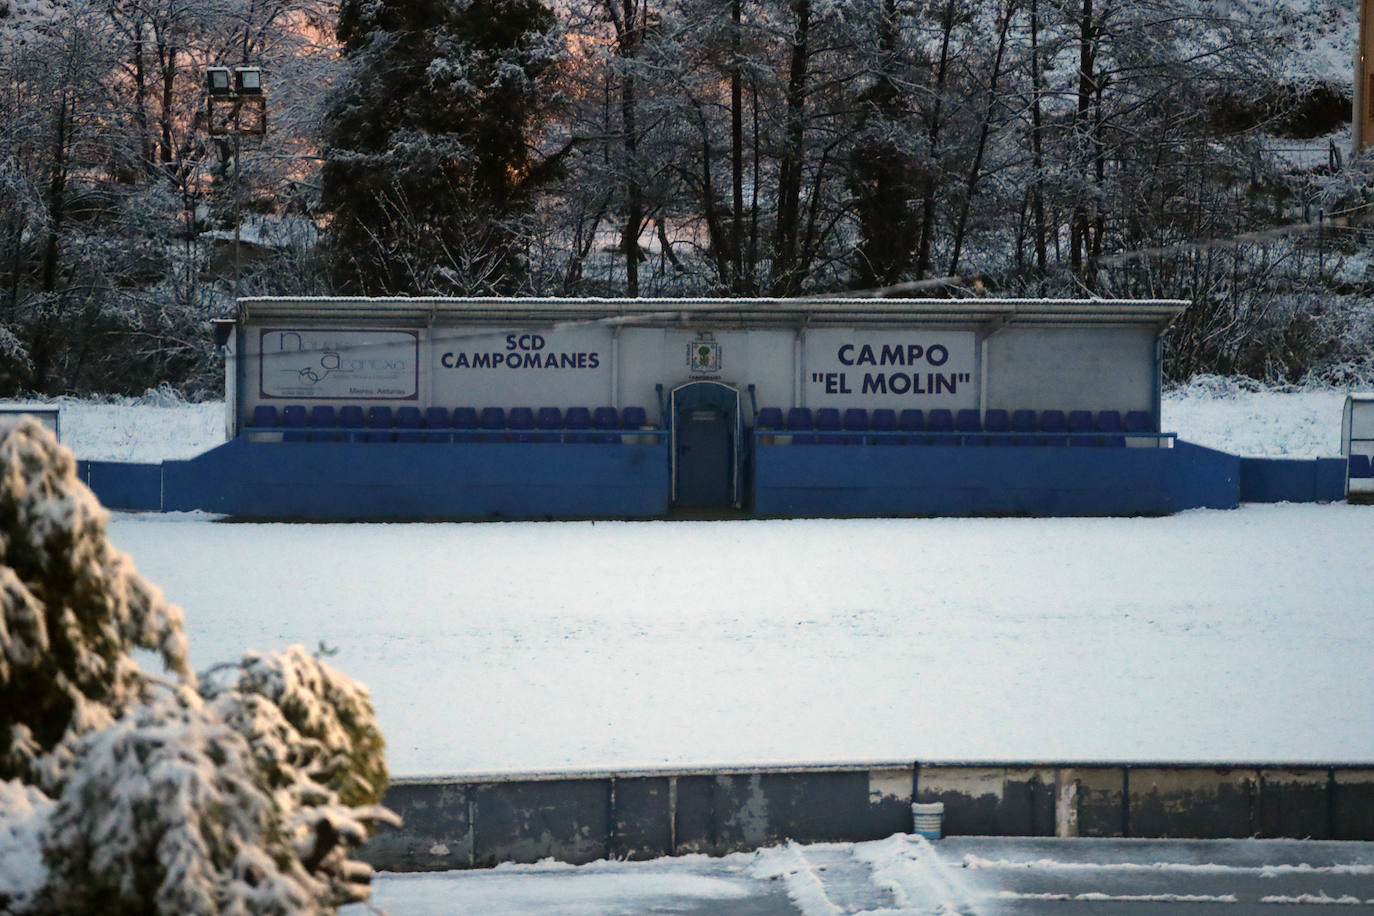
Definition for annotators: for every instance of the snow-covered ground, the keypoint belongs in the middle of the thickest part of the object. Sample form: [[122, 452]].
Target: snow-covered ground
[[1218, 636], [911, 876], [1209, 635], [1204, 636]]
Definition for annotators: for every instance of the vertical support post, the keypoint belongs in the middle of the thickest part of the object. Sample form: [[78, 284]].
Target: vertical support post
[[1066, 804], [615, 367], [1362, 121], [1157, 397], [238, 206]]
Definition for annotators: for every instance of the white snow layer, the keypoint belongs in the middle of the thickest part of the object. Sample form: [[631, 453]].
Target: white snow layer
[[1212, 636]]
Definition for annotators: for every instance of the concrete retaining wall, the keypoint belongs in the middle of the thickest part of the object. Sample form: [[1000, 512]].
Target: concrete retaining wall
[[479, 821]]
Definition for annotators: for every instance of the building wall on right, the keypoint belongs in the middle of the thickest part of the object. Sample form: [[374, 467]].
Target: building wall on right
[[1068, 368]]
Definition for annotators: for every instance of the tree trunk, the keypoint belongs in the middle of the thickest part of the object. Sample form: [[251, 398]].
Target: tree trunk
[[1079, 228], [1037, 142], [787, 236], [634, 194], [167, 69], [976, 169], [736, 150], [928, 189]]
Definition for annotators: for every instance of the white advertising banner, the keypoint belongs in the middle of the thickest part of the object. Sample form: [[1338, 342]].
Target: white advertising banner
[[544, 367], [338, 364], [897, 368]]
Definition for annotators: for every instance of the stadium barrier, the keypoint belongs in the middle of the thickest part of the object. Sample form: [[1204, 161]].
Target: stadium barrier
[[480, 821]]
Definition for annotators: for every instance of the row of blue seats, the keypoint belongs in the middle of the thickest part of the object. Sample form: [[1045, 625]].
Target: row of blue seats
[[829, 425], [379, 423]]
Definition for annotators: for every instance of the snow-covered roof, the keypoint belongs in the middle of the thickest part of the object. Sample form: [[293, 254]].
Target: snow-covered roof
[[739, 312]]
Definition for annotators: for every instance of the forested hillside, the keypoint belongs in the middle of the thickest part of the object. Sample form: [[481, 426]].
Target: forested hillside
[[1172, 148]]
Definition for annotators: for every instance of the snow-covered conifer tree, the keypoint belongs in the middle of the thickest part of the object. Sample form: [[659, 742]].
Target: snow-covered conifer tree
[[127, 792]]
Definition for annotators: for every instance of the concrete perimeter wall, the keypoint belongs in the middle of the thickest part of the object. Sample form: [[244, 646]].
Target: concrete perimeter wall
[[480, 821]]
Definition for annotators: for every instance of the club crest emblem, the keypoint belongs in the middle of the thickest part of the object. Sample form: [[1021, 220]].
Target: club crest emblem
[[703, 354]]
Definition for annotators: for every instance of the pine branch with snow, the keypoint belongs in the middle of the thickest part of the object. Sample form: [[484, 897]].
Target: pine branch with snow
[[122, 791], [74, 610]]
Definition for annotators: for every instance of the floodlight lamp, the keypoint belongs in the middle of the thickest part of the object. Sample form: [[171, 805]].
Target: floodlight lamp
[[248, 80], [217, 81]]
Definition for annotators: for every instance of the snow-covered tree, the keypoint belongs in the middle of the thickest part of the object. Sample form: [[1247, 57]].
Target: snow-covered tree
[[431, 158], [121, 791]]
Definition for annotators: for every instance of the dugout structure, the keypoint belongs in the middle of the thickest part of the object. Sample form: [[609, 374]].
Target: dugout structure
[[613, 408]]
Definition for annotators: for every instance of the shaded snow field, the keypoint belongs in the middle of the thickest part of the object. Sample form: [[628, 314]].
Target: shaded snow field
[[1210, 636]]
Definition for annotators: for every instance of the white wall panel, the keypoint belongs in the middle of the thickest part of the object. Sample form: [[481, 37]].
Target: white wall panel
[[1068, 368], [895, 368]]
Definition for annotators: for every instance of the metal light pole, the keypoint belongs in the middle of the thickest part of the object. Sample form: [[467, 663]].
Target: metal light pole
[[242, 113], [1362, 120]]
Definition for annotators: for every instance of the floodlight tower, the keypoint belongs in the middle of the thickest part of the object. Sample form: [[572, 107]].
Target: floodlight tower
[[235, 105], [1362, 120]]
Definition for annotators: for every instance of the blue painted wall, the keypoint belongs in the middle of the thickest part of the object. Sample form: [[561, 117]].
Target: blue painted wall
[[1274, 480], [123, 485], [887, 480], [343, 480], [422, 480]]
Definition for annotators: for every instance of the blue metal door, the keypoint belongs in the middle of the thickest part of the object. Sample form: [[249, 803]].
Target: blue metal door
[[704, 465], [706, 435]]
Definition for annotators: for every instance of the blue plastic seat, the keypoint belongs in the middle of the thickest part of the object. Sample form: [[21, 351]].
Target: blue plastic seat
[[322, 421], [854, 420], [967, 422], [1080, 422], [492, 422], [1055, 426], [575, 419], [1360, 467], [769, 418], [351, 417], [379, 424], [911, 420], [519, 420], [438, 420], [634, 418], [264, 415], [294, 417], [799, 422], [997, 420], [940, 422], [828, 426], [1024, 425], [409, 420], [605, 418], [464, 419], [548, 420], [1139, 421], [1109, 424], [883, 420]]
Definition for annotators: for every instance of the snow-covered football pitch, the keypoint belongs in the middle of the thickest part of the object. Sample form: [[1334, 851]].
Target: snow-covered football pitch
[[1219, 636], [1239, 636]]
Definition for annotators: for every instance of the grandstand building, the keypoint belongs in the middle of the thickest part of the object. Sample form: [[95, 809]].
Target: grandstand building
[[569, 408]]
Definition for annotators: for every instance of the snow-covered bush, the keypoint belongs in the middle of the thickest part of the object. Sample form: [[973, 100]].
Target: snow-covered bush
[[123, 791]]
